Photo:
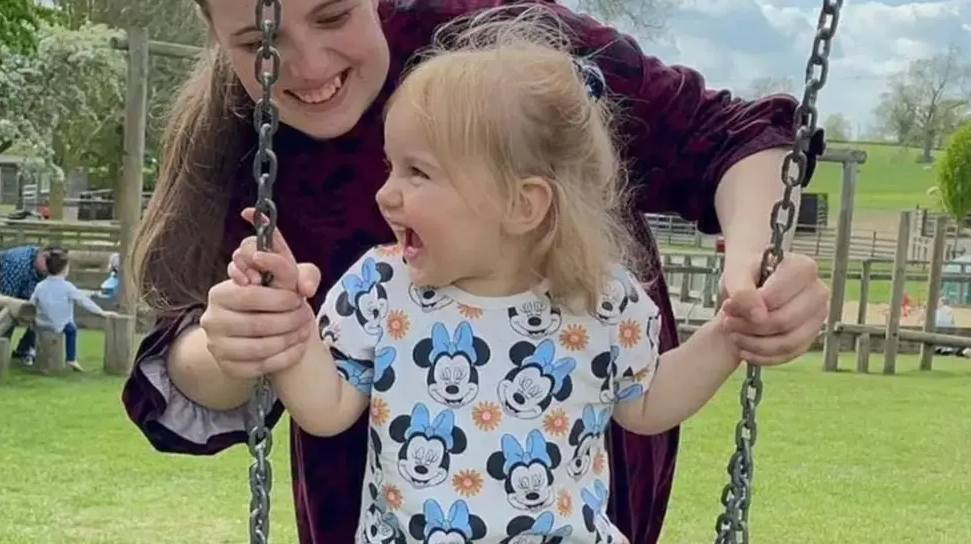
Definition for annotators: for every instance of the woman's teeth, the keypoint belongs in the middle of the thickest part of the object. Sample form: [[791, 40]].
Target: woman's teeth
[[321, 94]]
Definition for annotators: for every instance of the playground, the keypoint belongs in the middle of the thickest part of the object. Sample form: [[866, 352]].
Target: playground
[[842, 457], [857, 457]]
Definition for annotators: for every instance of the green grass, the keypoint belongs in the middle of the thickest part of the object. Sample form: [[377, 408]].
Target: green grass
[[890, 180], [840, 458]]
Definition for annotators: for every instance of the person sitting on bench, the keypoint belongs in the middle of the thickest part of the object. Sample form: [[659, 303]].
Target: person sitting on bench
[[21, 267], [54, 299]]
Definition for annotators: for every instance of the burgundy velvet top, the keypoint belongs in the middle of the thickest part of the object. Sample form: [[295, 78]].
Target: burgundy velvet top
[[679, 137]]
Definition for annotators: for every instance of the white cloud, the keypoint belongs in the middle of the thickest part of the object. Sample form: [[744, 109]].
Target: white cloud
[[734, 41]]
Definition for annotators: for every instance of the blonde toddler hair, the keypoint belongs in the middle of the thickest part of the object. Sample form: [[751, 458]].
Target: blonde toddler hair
[[499, 93]]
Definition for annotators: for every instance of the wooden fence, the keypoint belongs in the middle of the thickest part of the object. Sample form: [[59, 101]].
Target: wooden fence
[[693, 279], [677, 233]]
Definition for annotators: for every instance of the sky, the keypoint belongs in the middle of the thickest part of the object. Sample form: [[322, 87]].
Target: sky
[[732, 42]]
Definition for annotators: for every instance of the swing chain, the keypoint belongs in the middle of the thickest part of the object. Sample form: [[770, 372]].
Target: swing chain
[[266, 121], [731, 525]]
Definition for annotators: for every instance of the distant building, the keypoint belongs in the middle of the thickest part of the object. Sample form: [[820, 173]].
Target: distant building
[[10, 179]]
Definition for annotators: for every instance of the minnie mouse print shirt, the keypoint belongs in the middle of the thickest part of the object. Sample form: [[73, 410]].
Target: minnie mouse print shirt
[[487, 415]]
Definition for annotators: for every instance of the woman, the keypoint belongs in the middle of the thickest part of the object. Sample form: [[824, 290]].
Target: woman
[[696, 152]]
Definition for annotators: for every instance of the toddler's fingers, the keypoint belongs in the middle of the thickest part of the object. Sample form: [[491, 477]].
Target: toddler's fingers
[[238, 276], [283, 269], [279, 242], [308, 279], [243, 259]]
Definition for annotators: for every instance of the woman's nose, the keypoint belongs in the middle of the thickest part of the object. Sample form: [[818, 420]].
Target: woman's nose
[[310, 63]]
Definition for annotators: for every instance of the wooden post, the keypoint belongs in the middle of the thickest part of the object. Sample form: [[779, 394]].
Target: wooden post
[[161, 49], [720, 294], [861, 311], [863, 353], [710, 283], [686, 279], [892, 341], [933, 290], [130, 189], [4, 356], [844, 229], [50, 352], [119, 344]]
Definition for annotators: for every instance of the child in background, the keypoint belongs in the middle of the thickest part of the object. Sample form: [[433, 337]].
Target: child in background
[[492, 344], [54, 297]]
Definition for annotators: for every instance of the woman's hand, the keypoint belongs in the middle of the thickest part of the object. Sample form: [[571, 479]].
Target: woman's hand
[[778, 322], [254, 329]]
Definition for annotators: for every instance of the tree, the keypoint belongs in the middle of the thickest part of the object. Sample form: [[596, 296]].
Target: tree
[[19, 22], [58, 102], [954, 175], [926, 101], [169, 21], [761, 87], [837, 127], [645, 16]]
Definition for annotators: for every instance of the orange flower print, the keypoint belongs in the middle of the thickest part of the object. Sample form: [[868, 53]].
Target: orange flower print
[[564, 503], [486, 415], [379, 411], [630, 333], [599, 462], [467, 482], [574, 337], [392, 496], [470, 312], [389, 250], [556, 422], [397, 324]]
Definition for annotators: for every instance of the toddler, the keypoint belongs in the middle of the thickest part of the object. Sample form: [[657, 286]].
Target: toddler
[[495, 341], [54, 297]]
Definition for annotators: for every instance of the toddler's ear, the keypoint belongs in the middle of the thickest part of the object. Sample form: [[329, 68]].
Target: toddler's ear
[[531, 204]]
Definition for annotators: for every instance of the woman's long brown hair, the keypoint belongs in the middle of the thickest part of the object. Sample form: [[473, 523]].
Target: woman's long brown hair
[[177, 254]]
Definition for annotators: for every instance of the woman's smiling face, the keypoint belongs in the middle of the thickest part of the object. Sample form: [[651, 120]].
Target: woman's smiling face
[[334, 55]]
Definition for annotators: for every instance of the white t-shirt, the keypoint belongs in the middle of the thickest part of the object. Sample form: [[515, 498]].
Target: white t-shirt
[[487, 415]]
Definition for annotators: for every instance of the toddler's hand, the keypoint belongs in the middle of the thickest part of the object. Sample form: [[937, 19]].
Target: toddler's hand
[[248, 264], [254, 329]]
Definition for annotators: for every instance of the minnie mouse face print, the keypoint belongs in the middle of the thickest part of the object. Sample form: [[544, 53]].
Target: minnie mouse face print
[[380, 525], [452, 362], [526, 470], [538, 378], [365, 297], [615, 295], [428, 299], [585, 437], [426, 445], [535, 319]]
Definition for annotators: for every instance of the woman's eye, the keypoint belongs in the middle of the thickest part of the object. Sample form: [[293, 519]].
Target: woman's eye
[[331, 21], [416, 172]]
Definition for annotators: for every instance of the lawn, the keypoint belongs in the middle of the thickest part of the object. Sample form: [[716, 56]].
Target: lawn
[[890, 180], [840, 458]]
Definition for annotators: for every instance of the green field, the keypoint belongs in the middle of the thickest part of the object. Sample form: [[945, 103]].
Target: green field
[[840, 458], [890, 180]]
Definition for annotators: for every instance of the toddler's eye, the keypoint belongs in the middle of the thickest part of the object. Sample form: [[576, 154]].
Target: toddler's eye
[[416, 172]]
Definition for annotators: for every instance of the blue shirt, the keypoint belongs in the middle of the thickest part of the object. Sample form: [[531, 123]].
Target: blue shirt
[[54, 298], [18, 275]]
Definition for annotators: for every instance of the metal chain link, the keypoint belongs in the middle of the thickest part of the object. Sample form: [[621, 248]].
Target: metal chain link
[[731, 525], [266, 120]]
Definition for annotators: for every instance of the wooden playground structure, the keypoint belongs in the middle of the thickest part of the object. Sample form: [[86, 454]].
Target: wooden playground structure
[[905, 323]]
